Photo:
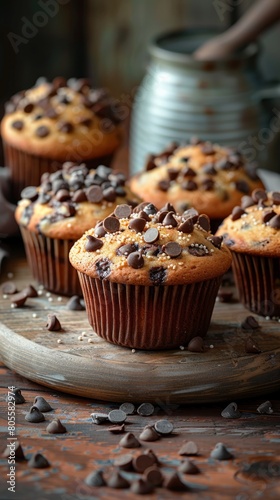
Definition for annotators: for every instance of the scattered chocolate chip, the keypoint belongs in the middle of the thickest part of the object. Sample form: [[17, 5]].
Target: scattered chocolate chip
[[196, 345], [42, 131], [30, 291], [109, 194], [123, 211], [275, 222], [18, 124], [29, 193], [16, 397], [267, 215], [158, 275], [153, 476], [231, 411], [143, 215], [198, 250], [79, 196], [124, 462], [59, 185], [150, 209], [151, 235], [207, 148], [94, 194], [38, 461], [164, 185], [174, 483], [135, 260], [259, 194], [275, 196], [99, 418], [56, 427], [223, 164], [34, 415], [209, 169], [188, 172], [148, 451], [150, 163], [95, 478], [126, 249], [188, 467], [117, 481], [99, 230], [65, 127], [18, 299], [220, 452], [251, 346], [247, 201], [149, 434], [207, 184], [169, 220], [62, 195], [18, 452], [242, 186], [224, 295], [141, 487], [146, 409], [189, 448], [265, 408], [173, 249], [51, 113], [216, 241], [172, 173], [250, 323], [128, 408], [142, 462], [93, 244], [117, 416], [116, 429], [42, 404], [191, 213], [164, 427], [137, 225], [236, 213], [129, 441], [186, 227], [204, 222], [74, 304], [103, 268], [9, 288], [53, 324], [189, 185]]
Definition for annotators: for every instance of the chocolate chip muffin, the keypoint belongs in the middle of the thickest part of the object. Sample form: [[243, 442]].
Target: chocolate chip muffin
[[252, 233], [206, 176], [54, 122], [150, 277], [55, 214]]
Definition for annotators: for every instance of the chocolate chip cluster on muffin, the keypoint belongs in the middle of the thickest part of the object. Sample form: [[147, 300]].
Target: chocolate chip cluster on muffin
[[150, 277], [55, 214], [206, 176], [252, 233], [54, 122]]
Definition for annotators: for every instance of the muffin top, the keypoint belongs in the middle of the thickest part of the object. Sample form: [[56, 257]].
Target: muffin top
[[206, 176], [72, 200], [254, 226], [147, 246], [62, 120]]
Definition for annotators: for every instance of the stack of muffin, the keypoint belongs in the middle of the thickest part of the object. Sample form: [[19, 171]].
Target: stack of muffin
[[148, 262]]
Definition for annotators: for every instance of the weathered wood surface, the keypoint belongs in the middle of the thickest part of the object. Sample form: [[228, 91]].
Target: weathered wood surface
[[110, 373]]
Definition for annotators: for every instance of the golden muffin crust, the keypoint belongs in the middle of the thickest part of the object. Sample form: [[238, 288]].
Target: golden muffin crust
[[72, 200], [150, 247], [62, 120], [254, 226], [202, 175]]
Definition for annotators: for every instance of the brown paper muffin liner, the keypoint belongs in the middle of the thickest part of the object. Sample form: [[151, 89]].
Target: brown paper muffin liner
[[149, 317], [48, 259], [258, 283], [27, 169]]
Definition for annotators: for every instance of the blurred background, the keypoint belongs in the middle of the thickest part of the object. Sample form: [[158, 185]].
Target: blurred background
[[106, 40]]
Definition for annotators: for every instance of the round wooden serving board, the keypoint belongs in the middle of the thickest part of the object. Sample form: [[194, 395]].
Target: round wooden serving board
[[100, 370]]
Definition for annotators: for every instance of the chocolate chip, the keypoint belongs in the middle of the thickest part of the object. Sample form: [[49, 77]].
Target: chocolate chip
[[158, 275], [192, 214], [204, 222], [236, 213], [275, 196], [275, 222], [172, 173], [142, 462], [247, 201], [124, 462], [196, 344], [111, 224], [151, 235], [65, 127], [18, 124], [220, 452], [242, 186], [94, 194], [51, 113], [93, 244], [207, 184], [18, 299], [150, 163], [209, 169], [103, 268], [9, 288], [95, 479], [145, 409], [189, 448], [116, 429], [28, 108], [99, 230], [143, 215], [135, 260], [137, 225], [151, 249], [42, 404], [188, 467], [34, 415], [18, 453], [207, 148], [103, 171], [16, 397], [53, 324], [198, 250], [189, 185], [74, 304], [141, 487], [188, 172], [169, 220], [174, 483], [259, 194], [30, 291], [148, 451], [29, 193], [265, 408], [223, 164], [250, 323], [126, 249], [129, 441], [149, 434], [109, 194], [267, 215], [62, 195], [172, 249], [186, 227], [150, 209], [123, 211], [153, 476], [79, 196], [38, 461], [56, 427], [58, 184], [163, 185], [216, 241], [231, 411], [224, 295], [164, 427], [117, 481], [117, 417], [99, 418], [42, 131], [128, 408], [43, 198], [251, 347]]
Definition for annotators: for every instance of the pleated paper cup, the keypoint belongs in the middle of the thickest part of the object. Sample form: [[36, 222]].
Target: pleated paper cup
[[258, 282], [149, 317], [49, 263]]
